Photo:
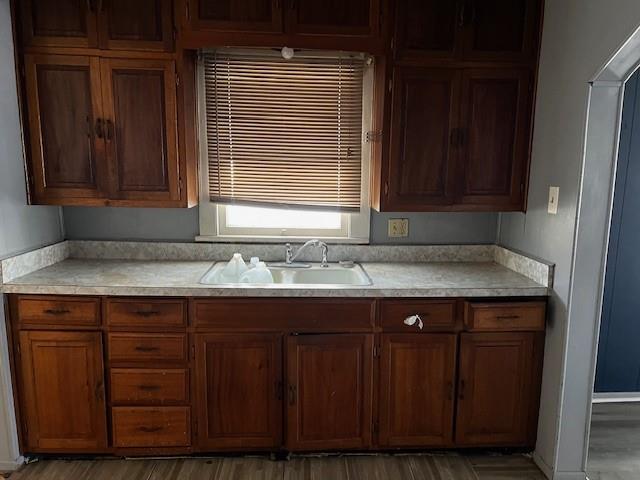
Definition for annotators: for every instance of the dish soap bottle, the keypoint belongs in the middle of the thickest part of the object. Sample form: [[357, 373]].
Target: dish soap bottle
[[232, 272], [259, 274]]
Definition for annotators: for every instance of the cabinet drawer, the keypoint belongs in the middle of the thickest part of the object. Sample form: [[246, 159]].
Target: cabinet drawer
[[156, 313], [62, 311], [147, 386], [147, 347], [151, 427], [515, 316], [435, 315], [292, 314]]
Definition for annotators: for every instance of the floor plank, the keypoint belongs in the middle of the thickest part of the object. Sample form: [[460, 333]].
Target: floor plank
[[614, 447], [316, 468]]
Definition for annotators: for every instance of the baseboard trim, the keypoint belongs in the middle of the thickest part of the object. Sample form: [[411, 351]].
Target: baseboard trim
[[616, 397], [11, 466], [542, 465], [570, 476]]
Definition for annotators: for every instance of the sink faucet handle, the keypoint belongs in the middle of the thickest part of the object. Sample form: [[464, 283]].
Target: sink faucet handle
[[325, 252]]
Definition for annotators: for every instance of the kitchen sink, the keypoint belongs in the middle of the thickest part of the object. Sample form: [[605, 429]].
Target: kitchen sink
[[334, 274]]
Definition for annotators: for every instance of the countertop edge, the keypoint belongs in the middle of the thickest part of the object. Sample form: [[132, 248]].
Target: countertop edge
[[205, 291]]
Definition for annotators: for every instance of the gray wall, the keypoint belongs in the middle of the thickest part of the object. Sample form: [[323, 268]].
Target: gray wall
[[86, 223], [579, 37], [22, 227]]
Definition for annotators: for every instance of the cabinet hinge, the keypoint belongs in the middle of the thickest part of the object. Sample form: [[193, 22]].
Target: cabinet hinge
[[373, 136], [393, 42], [390, 84], [386, 188], [193, 352], [376, 351], [177, 79], [180, 185]]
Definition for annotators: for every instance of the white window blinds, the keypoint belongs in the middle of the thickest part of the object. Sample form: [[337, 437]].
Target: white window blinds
[[284, 132]]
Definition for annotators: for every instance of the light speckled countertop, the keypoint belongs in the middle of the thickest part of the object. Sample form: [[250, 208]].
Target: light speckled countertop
[[181, 278]]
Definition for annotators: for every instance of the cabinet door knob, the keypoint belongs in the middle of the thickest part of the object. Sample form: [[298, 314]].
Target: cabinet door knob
[[414, 320]]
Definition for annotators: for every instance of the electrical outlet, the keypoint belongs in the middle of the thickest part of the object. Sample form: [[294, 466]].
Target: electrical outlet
[[398, 227], [554, 193]]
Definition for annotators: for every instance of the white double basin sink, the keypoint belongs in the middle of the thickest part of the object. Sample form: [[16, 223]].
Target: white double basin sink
[[333, 274]]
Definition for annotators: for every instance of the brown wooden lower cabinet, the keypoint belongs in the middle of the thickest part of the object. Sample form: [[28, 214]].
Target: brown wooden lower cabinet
[[197, 383], [62, 391], [417, 381], [329, 391], [239, 390], [498, 388]]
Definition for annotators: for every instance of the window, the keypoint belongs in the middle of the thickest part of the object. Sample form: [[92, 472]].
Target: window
[[283, 154]]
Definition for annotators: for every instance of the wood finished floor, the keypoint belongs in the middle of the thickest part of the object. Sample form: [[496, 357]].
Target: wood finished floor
[[450, 466], [614, 449]]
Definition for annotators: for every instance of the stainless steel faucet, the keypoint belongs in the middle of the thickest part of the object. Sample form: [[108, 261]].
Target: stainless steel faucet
[[290, 256]]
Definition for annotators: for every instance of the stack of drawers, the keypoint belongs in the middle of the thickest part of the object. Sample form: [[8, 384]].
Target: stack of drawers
[[148, 373]]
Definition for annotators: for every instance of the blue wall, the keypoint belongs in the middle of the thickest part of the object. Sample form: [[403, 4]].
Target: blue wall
[[618, 368]]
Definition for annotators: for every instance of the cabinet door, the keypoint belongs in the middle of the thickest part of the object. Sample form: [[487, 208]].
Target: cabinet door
[[65, 127], [334, 17], [424, 119], [141, 132], [63, 23], [416, 390], [239, 390], [236, 15], [136, 25], [496, 116], [497, 393], [63, 391], [501, 29], [427, 28], [329, 391]]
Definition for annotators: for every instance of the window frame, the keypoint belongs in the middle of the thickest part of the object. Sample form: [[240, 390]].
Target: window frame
[[355, 227]]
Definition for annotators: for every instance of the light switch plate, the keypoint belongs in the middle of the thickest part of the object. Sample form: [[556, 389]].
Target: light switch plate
[[398, 227], [554, 193]]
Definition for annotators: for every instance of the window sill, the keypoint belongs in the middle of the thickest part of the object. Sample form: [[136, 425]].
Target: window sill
[[258, 239]]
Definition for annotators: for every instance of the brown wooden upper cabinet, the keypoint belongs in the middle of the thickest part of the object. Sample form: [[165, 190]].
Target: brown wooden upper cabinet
[[102, 130], [239, 390], [329, 391], [105, 24], [422, 152], [502, 30], [235, 15], [498, 388], [332, 24], [459, 139], [61, 375], [339, 17], [494, 138]]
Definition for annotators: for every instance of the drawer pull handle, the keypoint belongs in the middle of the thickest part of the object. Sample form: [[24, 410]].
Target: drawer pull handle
[[142, 348], [150, 429], [147, 313], [414, 320], [149, 388], [508, 317], [57, 311]]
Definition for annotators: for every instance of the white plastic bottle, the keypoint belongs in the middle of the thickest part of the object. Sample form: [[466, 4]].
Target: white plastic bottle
[[259, 274], [233, 270]]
